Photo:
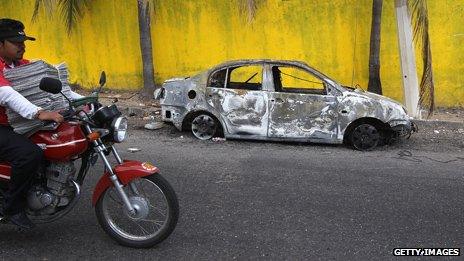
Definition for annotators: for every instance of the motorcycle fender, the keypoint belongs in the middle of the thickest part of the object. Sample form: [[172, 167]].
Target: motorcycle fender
[[126, 172]]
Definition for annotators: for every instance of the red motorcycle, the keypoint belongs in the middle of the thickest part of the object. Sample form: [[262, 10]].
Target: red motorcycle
[[133, 203]]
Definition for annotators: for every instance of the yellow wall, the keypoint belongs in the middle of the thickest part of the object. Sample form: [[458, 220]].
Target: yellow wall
[[447, 33], [190, 36], [106, 39]]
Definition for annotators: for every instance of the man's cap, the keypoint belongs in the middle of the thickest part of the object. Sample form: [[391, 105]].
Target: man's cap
[[13, 31]]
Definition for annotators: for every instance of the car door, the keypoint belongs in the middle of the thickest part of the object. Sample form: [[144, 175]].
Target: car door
[[300, 107], [236, 93]]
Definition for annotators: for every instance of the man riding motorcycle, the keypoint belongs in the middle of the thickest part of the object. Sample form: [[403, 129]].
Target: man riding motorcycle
[[24, 156]]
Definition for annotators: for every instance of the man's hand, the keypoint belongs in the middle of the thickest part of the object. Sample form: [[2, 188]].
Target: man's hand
[[50, 116]]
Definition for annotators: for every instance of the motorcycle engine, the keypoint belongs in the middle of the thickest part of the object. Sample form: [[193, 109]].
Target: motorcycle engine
[[56, 193]]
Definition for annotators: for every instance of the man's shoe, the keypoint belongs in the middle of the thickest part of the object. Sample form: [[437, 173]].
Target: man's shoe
[[21, 220]]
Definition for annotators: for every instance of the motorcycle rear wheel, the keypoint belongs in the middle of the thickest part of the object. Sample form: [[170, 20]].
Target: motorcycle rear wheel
[[155, 219]]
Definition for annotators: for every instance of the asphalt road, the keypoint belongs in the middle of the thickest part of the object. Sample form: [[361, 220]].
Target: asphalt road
[[275, 201]]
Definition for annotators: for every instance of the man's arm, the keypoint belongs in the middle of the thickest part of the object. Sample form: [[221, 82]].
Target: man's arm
[[15, 101]]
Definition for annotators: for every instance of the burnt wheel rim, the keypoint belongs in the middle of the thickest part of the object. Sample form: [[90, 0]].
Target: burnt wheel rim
[[204, 127], [365, 137]]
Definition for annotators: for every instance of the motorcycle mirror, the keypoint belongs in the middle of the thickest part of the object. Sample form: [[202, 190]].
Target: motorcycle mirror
[[51, 85], [102, 78]]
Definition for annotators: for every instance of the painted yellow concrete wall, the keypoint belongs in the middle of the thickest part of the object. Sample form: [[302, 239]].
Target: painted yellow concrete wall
[[106, 39], [190, 36], [447, 39], [321, 33]]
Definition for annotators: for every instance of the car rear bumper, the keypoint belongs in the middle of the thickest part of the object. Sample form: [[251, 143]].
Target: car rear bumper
[[173, 114]]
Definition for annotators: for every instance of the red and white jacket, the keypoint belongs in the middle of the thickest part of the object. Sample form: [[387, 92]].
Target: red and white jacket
[[11, 98]]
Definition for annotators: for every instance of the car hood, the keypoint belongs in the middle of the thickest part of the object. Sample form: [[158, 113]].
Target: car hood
[[366, 104], [377, 97]]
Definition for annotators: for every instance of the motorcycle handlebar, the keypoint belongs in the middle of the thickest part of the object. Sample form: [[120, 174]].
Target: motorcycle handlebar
[[67, 113], [49, 125]]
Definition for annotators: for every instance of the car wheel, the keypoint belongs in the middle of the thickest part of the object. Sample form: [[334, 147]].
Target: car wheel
[[365, 137], [204, 126]]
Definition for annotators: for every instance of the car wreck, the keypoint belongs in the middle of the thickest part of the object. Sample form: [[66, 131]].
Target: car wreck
[[280, 100]]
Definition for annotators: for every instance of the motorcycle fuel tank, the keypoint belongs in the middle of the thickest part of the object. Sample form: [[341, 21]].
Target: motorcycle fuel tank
[[62, 144]]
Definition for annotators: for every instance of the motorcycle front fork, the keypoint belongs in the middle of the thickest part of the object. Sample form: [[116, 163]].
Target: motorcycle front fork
[[100, 149]]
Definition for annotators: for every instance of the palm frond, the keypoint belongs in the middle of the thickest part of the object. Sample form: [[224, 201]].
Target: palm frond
[[248, 8], [48, 5], [72, 11], [419, 13]]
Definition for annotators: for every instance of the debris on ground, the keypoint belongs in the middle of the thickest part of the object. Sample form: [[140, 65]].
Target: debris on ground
[[453, 114], [135, 111], [133, 149], [154, 125], [218, 139]]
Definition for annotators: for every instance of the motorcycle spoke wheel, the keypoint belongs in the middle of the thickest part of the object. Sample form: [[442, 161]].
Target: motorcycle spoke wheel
[[156, 212]]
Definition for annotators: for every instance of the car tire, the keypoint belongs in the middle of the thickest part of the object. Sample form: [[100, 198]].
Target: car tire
[[204, 126], [365, 137]]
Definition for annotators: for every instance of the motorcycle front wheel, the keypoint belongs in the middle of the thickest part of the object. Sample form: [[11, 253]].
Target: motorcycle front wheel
[[157, 211]]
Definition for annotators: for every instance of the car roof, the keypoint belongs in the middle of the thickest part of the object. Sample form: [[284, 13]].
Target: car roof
[[257, 61]]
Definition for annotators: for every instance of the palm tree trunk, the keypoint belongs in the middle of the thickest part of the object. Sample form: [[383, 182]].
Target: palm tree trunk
[[375, 85], [146, 47]]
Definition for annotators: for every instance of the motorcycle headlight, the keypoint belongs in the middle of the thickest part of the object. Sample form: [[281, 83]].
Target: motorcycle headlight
[[119, 127]]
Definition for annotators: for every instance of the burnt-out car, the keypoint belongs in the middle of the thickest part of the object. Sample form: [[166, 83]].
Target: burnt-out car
[[280, 100]]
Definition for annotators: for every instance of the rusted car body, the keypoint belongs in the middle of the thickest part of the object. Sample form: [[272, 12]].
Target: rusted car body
[[279, 100]]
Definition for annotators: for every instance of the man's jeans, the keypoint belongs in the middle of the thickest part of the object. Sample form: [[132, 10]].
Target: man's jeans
[[25, 158]]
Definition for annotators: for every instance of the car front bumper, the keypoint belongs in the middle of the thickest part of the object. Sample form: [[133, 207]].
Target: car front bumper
[[404, 128]]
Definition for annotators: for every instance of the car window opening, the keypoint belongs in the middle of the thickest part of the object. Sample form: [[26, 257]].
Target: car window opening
[[241, 78], [249, 77], [296, 80]]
